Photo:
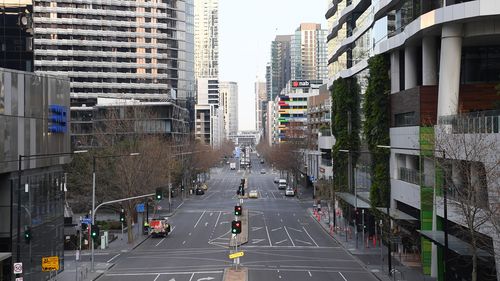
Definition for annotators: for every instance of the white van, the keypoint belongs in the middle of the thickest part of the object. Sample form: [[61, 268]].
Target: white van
[[282, 184]]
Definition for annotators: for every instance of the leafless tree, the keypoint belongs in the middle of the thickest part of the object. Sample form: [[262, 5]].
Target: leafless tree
[[471, 169]]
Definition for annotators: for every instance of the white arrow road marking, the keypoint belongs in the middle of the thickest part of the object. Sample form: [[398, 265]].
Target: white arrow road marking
[[310, 275], [279, 242], [206, 278], [298, 230], [255, 241], [305, 242], [255, 228], [173, 279], [206, 224], [274, 229]]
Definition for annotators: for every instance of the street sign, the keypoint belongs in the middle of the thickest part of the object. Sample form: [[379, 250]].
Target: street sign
[[50, 263], [140, 208], [86, 220], [236, 255], [18, 268]]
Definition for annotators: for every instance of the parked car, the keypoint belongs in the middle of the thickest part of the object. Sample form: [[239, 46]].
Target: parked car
[[253, 194], [199, 191], [276, 180], [263, 171], [289, 192]]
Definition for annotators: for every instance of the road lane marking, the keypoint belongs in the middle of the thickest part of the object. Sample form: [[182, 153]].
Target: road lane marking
[[255, 228], [268, 237], [189, 233], [206, 224], [216, 222], [199, 219], [305, 242], [310, 275], [160, 242], [172, 230], [273, 195], [279, 242], [342, 276], [113, 258], [183, 242], [298, 230], [191, 277], [157, 276], [289, 236], [179, 205], [255, 241], [274, 229], [310, 237]]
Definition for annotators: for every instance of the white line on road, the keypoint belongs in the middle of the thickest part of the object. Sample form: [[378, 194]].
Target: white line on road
[[218, 217], [160, 242], [273, 195], [342, 276], [268, 237], [113, 258], [289, 236], [305, 242], [191, 277], [255, 241], [172, 230], [206, 224], [298, 230], [279, 242], [199, 219], [157, 276], [179, 205], [310, 275], [310, 237], [274, 229]]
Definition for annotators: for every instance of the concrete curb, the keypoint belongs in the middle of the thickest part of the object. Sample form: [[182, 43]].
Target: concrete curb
[[102, 273], [343, 247]]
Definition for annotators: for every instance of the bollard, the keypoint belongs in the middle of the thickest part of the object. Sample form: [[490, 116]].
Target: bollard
[[103, 242], [106, 238]]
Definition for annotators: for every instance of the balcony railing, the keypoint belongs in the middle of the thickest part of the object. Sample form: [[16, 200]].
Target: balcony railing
[[483, 122], [409, 175]]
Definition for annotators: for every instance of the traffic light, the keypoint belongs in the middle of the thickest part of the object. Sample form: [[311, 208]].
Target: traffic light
[[94, 231], [159, 194], [122, 216], [238, 210], [236, 227], [27, 235], [84, 226]]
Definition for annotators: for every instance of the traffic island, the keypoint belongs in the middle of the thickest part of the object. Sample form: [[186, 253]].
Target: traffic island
[[241, 238], [233, 274]]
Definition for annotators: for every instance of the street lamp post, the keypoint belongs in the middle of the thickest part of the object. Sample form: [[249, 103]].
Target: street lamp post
[[19, 174], [93, 195]]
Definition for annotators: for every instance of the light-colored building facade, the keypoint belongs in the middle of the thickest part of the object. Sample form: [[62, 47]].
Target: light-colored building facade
[[206, 33], [443, 73], [140, 50], [308, 53], [260, 105], [209, 121], [229, 103]]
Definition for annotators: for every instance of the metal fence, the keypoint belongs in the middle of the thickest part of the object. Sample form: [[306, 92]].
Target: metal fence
[[482, 122]]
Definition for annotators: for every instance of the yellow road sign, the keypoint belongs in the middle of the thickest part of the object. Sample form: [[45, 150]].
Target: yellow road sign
[[236, 255], [50, 263]]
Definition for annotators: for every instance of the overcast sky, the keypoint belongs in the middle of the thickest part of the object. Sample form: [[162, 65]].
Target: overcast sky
[[246, 29]]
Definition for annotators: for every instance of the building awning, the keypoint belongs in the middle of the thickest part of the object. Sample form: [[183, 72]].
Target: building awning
[[351, 200], [454, 243], [5, 255], [397, 214]]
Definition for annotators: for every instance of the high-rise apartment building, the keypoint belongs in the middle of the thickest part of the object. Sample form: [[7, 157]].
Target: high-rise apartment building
[[206, 33], [308, 53], [229, 103], [444, 64], [260, 104], [140, 50], [280, 64]]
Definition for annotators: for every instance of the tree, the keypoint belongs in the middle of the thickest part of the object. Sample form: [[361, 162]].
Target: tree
[[376, 127], [471, 168]]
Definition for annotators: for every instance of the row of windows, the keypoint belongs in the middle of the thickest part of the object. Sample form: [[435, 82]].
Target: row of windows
[[118, 91], [172, 73]]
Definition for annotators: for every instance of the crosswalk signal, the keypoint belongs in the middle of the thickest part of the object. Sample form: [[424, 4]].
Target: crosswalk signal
[[236, 227], [94, 231], [27, 235], [159, 194], [238, 210], [122, 216]]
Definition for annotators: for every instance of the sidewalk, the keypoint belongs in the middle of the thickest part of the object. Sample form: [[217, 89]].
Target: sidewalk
[[374, 258]]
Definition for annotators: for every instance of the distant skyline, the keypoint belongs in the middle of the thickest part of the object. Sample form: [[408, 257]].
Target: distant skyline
[[246, 29]]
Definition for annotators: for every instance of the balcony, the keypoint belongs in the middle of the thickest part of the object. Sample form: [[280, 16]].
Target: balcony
[[409, 175], [482, 122]]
